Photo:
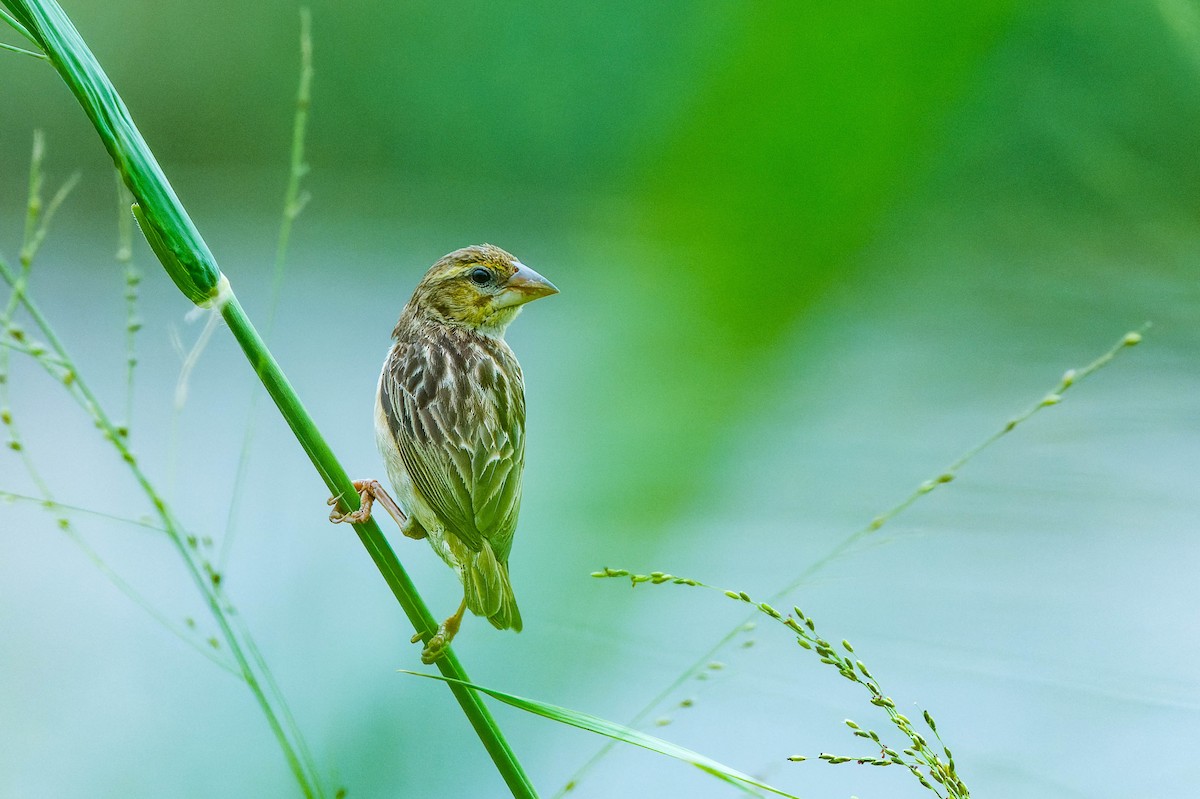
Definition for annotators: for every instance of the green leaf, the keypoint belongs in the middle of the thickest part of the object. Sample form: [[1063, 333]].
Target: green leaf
[[618, 732], [182, 250]]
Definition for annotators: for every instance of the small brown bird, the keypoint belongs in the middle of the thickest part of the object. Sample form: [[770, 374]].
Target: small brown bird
[[450, 422]]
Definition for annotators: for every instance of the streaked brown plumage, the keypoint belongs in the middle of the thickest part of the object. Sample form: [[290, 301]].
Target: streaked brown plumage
[[450, 423]]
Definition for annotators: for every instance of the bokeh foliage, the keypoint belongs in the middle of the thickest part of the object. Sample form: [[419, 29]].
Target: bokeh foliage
[[759, 143], [808, 252]]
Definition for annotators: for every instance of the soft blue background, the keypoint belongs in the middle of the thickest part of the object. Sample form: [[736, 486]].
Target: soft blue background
[[808, 256]]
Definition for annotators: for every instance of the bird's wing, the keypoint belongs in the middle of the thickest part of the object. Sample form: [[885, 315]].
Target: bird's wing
[[458, 416]]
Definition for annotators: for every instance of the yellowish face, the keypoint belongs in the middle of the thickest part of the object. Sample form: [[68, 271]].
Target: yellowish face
[[481, 287]]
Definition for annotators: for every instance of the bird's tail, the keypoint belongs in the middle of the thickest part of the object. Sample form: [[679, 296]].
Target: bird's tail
[[488, 591]]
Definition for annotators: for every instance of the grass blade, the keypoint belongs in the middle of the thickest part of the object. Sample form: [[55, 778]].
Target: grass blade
[[617, 732]]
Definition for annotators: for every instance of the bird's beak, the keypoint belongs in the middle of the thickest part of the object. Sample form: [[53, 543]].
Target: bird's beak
[[524, 286]]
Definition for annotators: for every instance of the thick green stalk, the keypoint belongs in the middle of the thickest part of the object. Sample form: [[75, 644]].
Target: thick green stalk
[[190, 264]]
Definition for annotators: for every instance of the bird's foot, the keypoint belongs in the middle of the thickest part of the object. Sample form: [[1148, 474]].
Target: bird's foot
[[437, 645], [366, 498], [369, 492]]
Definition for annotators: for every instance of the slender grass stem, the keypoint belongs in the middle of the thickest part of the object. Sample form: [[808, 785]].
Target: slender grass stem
[[33, 203], [37, 224], [20, 28], [293, 203], [1070, 378], [22, 51], [38, 220], [55, 505], [15, 441], [294, 200], [916, 753], [121, 584], [133, 277], [124, 586]]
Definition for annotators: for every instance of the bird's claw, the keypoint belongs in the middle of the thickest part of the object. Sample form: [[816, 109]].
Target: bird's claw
[[354, 517], [366, 498], [440, 642], [435, 649]]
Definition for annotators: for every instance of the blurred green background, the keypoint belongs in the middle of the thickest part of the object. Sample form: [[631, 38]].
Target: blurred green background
[[808, 255]]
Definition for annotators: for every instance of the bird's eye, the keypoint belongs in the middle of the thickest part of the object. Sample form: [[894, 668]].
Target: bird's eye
[[479, 276]]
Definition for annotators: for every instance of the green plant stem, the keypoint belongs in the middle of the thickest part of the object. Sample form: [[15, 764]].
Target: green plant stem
[[919, 752], [293, 203], [132, 277], [37, 224], [294, 200], [121, 584], [19, 28], [190, 264], [63, 507], [21, 51]]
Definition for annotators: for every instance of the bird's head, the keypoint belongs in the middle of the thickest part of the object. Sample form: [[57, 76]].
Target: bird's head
[[481, 287]]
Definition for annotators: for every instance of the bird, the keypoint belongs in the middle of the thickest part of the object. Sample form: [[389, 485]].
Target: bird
[[450, 425]]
